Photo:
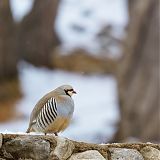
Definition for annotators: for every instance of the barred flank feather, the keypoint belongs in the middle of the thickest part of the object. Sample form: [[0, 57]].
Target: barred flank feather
[[47, 115]]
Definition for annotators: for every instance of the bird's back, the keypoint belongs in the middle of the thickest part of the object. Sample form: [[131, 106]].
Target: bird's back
[[38, 107]]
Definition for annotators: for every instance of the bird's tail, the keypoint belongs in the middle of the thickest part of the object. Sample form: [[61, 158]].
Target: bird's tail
[[28, 130]]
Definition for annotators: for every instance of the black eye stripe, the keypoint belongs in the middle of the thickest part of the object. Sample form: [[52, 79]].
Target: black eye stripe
[[67, 90]]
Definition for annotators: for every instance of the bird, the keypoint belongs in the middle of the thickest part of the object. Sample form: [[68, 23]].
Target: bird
[[53, 112]]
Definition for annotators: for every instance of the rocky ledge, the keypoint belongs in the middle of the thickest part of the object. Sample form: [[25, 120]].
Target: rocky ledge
[[41, 147]]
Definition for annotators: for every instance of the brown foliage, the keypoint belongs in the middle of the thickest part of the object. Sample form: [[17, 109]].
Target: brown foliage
[[81, 61]]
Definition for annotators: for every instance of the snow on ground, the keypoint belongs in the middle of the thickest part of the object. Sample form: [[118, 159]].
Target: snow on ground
[[96, 107]]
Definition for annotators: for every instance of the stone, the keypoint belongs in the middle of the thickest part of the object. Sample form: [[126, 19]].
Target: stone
[[63, 149], [25, 159], [150, 153], [1, 140], [125, 154], [88, 155], [28, 147]]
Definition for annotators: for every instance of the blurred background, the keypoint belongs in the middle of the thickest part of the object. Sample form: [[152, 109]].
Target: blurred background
[[108, 50]]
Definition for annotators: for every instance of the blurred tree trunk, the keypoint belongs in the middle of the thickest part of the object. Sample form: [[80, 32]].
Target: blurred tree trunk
[[9, 88], [8, 60], [138, 74], [32, 39], [37, 37]]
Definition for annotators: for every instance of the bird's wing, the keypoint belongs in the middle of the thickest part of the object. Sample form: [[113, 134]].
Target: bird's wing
[[47, 114], [38, 107]]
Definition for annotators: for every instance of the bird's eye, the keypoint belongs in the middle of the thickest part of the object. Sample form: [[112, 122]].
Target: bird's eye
[[68, 90]]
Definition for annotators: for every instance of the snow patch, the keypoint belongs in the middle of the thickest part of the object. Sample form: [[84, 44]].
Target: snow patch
[[20, 8]]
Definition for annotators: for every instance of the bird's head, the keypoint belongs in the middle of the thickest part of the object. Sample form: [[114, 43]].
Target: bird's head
[[66, 90]]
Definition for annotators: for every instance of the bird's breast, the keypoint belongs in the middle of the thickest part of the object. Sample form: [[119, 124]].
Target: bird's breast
[[66, 108], [60, 124]]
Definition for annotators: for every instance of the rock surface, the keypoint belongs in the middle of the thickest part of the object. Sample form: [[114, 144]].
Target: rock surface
[[150, 153], [27, 147], [64, 148], [49, 147], [91, 154], [125, 154]]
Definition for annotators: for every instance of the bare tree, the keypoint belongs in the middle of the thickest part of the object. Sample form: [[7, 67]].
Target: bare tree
[[8, 59], [37, 36], [33, 39], [9, 86], [138, 74]]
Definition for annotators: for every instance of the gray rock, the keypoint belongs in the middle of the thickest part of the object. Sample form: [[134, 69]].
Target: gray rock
[[28, 147], [1, 140], [88, 155], [125, 154], [25, 159], [63, 149], [150, 153]]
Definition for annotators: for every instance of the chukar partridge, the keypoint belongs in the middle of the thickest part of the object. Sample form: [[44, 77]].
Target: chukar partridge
[[53, 112]]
